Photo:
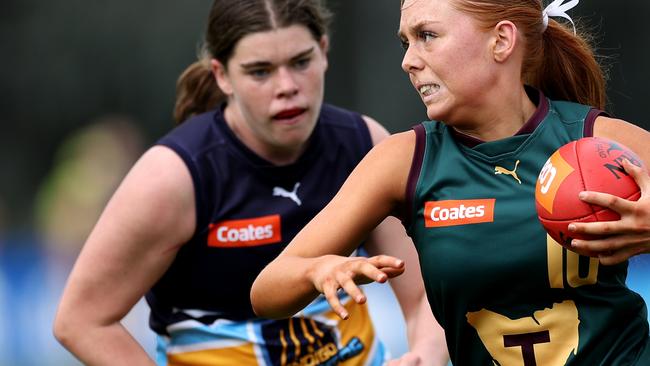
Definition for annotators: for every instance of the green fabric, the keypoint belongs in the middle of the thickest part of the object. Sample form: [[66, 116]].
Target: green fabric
[[504, 294]]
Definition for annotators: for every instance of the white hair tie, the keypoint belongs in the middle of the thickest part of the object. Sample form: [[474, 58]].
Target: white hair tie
[[557, 9]]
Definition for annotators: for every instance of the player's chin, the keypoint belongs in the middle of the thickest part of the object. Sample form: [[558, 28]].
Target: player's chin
[[291, 141], [433, 113], [295, 136]]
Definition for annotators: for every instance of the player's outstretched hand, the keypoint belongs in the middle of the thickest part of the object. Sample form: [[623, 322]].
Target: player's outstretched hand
[[333, 272], [624, 238]]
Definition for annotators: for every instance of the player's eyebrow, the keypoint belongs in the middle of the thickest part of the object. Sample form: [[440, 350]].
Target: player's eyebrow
[[415, 28], [258, 64]]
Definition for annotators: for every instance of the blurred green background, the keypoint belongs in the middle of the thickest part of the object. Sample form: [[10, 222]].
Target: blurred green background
[[86, 86]]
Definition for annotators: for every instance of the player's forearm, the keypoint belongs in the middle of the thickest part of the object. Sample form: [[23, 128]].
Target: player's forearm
[[284, 287], [102, 345], [431, 348], [425, 335]]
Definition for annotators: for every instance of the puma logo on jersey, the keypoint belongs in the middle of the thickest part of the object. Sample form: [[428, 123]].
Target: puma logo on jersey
[[293, 195], [245, 232], [458, 212], [512, 173]]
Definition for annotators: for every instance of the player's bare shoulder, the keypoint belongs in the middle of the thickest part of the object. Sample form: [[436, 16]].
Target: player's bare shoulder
[[164, 168], [390, 162], [400, 145], [630, 135], [159, 188]]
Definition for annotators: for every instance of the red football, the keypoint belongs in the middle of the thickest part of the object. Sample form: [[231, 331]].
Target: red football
[[588, 164]]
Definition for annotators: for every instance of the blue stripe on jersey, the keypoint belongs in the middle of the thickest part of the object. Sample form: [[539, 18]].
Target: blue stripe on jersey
[[320, 305], [259, 337], [205, 333]]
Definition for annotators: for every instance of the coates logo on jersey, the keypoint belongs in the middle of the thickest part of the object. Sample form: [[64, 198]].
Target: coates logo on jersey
[[245, 232], [458, 212]]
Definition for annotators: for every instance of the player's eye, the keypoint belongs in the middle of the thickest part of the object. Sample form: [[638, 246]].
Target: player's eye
[[259, 73], [427, 36], [404, 43], [302, 63]]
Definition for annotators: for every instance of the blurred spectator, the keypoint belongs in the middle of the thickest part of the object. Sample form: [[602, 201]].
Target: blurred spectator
[[34, 266], [88, 167]]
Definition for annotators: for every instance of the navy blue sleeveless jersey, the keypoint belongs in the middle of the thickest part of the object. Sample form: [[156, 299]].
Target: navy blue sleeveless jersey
[[247, 210]]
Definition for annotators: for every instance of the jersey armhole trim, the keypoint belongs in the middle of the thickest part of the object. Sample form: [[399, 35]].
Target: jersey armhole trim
[[590, 120], [365, 131], [414, 173], [199, 204]]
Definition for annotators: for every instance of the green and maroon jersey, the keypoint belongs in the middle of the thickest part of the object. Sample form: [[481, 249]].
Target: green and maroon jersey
[[505, 292]]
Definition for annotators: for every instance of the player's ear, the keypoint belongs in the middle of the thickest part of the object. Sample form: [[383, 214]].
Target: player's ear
[[504, 41], [324, 45], [221, 76]]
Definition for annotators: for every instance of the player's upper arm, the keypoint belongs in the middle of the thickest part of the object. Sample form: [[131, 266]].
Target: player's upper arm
[[151, 214], [626, 133], [373, 190]]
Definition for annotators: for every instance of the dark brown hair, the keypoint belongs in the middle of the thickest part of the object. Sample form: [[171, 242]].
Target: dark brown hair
[[228, 22]]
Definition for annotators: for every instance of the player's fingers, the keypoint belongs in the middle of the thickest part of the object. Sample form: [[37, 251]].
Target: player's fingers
[[330, 292], [640, 176], [632, 243], [353, 290], [382, 260], [606, 200], [584, 252], [617, 256], [389, 265], [363, 272], [633, 222], [392, 272], [591, 248], [595, 228], [581, 247]]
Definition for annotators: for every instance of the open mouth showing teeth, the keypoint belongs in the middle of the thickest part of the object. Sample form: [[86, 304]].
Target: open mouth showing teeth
[[428, 89]]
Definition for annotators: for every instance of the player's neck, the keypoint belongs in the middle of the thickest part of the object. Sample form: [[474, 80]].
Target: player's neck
[[502, 120]]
